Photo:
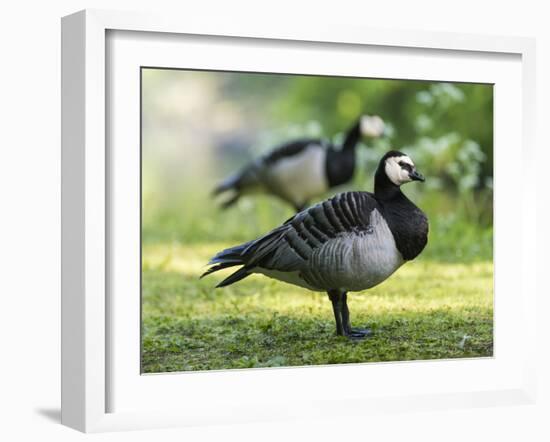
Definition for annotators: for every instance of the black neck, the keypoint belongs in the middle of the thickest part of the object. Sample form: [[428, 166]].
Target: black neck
[[384, 189], [352, 136], [407, 223]]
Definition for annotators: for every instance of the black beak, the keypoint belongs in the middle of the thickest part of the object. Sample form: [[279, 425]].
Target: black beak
[[417, 176]]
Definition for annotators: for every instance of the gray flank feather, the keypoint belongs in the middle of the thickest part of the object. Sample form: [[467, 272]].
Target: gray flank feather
[[316, 242]]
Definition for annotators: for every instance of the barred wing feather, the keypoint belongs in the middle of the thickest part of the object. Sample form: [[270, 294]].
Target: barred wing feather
[[291, 247]]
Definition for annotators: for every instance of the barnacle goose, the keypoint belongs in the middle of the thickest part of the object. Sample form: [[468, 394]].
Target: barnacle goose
[[303, 169], [350, 242]]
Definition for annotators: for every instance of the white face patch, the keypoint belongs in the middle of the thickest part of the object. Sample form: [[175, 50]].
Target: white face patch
[[372, 126], [395, 172]]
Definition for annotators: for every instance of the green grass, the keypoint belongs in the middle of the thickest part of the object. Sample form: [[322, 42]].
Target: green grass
[[430, 309]]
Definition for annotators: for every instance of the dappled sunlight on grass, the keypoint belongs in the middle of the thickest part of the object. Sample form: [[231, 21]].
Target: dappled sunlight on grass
[[423, 311], [176, 257]]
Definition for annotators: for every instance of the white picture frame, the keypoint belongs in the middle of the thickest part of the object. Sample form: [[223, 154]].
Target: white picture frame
[[87, 203]]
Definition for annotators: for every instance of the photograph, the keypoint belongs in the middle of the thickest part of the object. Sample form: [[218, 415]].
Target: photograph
[[293, 220]]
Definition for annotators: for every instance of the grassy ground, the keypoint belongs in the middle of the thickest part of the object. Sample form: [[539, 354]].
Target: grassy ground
[[428, 310]]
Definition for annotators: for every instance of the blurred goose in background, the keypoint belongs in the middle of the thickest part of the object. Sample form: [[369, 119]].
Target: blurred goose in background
[[350, 242], [301, 170]]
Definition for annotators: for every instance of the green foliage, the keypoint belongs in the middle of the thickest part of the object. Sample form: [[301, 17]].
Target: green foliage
[[427, 310], [413, 108], [446, 128]]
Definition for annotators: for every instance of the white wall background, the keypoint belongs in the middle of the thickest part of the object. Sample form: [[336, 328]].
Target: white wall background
[[30, 219]]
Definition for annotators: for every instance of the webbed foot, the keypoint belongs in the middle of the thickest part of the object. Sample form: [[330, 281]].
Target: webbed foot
[[360, 332]]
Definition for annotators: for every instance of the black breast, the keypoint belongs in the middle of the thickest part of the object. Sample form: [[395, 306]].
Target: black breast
[[408, 224], [340, 165]]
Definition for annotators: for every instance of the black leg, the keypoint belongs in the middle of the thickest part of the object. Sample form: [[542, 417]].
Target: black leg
[[336, 298], [341, 315], [351, 331], [345, 313]]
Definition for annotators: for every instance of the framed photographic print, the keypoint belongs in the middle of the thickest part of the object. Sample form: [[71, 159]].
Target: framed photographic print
[[269, 223], [194, 126]]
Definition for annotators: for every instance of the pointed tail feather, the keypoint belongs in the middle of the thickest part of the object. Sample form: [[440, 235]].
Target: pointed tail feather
[[217, 267], [232, 254], [242, 273], [245, 180], [230, 257], [247, 255], [230, 183]]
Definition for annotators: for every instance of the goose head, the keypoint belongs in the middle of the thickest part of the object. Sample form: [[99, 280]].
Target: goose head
[[371, 126], [398, 168]]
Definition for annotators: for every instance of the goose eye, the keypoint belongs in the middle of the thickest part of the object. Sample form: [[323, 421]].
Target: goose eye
[[405, 166]]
